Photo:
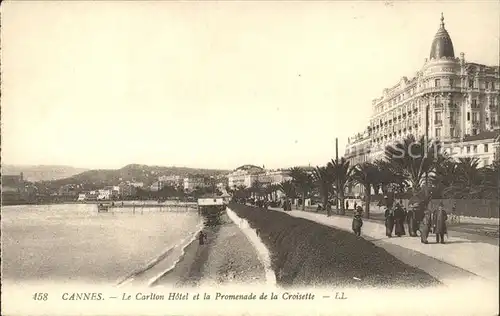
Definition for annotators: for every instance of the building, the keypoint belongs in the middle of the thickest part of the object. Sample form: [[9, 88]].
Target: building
[[13, 183], [191, 183], [15, 189], [157, 186], [172, 180], [244, 176], [357, 149], [449, 99], [483, 146]]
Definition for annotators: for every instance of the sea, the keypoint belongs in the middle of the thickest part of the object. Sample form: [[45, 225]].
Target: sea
[[75, 243]]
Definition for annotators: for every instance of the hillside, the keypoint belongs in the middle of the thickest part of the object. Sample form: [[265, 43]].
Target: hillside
[[41, 172], [134, 172]]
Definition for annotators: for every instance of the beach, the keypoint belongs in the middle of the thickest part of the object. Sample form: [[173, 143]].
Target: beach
[[226, 258], [250, 246]]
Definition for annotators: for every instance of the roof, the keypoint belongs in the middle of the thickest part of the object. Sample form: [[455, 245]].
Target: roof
[[442, 45], [483, 135]]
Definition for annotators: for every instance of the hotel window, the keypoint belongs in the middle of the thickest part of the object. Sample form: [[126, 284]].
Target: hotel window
[[474, 103], [468, 149], [438, 132], [474, 117], [474, 131], [485, 148], [475, 148], [437, 82], [452, 83], [437, 117], [452, 132], [468, 116], [471, 83]]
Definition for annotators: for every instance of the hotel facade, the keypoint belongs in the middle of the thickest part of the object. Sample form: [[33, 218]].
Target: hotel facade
[[449, 99]]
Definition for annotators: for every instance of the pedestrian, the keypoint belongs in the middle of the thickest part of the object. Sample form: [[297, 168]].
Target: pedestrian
[[411, 219], [440, 223], [425, 226], [357, 221], [389, 221], [355, 205], [399, 219], [202, 237]]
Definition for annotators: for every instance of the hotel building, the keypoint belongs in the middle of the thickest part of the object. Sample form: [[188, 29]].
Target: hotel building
[[449, 99], [246, 175]]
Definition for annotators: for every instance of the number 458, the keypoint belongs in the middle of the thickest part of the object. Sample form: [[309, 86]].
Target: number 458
[[40, 296]]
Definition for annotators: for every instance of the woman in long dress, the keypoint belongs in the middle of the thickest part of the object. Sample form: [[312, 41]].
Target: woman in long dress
[[425, 227], [440, 224], [357, 221], [412, 220], [399, 219], [389, 221]]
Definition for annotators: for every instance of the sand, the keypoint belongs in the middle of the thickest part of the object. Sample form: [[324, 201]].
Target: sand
[[226, 258]]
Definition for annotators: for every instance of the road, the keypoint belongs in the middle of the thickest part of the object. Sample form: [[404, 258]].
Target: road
[[475, 232]]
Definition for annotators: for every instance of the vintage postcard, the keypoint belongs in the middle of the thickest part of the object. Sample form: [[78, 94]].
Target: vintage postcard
[[250, 157]]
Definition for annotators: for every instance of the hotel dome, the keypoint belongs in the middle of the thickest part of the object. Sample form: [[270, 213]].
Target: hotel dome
[[442, 46]]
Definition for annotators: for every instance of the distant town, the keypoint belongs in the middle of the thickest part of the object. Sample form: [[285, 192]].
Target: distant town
[[147, 184]]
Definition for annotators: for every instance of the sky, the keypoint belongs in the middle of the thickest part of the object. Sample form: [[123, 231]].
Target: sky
[[212, 84]]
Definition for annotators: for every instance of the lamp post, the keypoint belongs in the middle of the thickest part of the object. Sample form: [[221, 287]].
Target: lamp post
[[337, 162]]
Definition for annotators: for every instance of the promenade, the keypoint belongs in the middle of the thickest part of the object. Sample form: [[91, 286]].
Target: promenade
[[460, 259]]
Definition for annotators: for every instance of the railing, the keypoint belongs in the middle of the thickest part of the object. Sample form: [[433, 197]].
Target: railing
[[441, 89]]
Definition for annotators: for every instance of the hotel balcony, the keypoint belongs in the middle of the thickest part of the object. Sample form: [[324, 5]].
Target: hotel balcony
[[493, 107], [438, 105], [441, 89], [475, 123], [438, 122], [475, 106]]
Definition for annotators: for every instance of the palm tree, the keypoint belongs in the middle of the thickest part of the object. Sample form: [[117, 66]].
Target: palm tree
[[366, 174], [324, 182], [274, 190], [257, 188], [415, 159], [444, 176], [288, 188], [341, 173], [303, 182], [469, 179], [491, 182]]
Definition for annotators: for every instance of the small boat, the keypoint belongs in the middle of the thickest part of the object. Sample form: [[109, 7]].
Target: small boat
[[102, 208]]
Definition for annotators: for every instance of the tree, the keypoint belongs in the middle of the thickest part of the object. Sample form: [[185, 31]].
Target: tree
[[303, 182], [444, 176], [366, 174], [257, 189], [341, 173], [288, 189], [415, 159], [324, 182], [491, 182]]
